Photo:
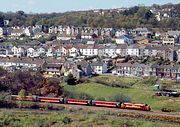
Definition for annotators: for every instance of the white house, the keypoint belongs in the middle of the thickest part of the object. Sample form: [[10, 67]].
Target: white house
[[133, 50], [66, 37], [18, 51], [1, 32], [89, 50], [109, 50], [121, 50], [125, 39], [41, 50], [19, 63], [99, 67], [141, 31], [168, 40], [49, 52], [32, 52], [28, 31], [120, 33], [39, 35], [88, 36], [53, 29]]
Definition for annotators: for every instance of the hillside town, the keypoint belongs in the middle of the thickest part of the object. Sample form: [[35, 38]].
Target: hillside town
[[89, 63], [85, 51]]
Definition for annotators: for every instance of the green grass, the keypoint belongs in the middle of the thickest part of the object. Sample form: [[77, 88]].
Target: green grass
[[117, 81], [14, 118], [139, 93]]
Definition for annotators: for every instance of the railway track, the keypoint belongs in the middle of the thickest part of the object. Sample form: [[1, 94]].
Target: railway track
[[121, 110], [171, 117], [117, 109]]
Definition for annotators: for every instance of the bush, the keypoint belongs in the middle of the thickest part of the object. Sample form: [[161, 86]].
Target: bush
[[74, 95], [150, 80], [100, 99], [41, 123], [7, 119], [15, 124], [70, 80], [84, 96], [169, 107], [66, 120], [119, 98]]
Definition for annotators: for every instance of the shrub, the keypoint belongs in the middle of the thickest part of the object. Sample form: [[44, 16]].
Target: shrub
[[15, 124], [7, 119], [84, 96], [150, 80], [41, 123], [70, 80], [100, 99], [66, 120], [119, 98], [169, 107], [22, 93], [75, 95]]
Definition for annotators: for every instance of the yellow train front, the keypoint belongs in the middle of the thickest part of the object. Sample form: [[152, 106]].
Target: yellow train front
[[143, 107]]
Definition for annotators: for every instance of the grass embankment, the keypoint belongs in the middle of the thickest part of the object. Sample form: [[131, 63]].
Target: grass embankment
[[140, 92], [13, 118]]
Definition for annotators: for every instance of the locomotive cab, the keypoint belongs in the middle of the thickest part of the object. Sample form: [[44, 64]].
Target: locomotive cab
[[62, 100], [35, 98]]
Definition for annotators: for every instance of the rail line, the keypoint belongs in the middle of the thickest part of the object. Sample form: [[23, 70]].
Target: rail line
[[171, 117], [118, 109]]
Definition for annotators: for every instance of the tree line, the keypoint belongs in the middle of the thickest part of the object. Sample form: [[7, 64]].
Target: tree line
[[137, 16]]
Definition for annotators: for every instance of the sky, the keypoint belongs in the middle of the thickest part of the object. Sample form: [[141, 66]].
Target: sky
[[48, 6]]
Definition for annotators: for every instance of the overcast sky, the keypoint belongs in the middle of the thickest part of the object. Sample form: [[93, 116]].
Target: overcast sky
[[39, 6]]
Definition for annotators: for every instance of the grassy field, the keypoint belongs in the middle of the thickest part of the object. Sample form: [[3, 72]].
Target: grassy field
[[140, 92], [16, 118]]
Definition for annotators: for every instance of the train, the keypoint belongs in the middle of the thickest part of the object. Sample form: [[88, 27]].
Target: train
[[120, 105]]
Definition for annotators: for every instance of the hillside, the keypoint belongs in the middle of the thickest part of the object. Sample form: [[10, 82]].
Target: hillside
[[137, 16]]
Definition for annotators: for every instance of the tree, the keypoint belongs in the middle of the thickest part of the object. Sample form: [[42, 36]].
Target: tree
[[20, 83], [156, 6], [144, 13], [2, 72], [1, 21], [70, 80], [22, 93]]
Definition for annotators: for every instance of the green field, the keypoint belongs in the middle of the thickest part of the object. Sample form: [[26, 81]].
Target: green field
[[20, 118], [140, 92]]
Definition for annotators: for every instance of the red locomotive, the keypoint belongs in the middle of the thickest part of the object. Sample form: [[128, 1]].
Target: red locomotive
[[143, 107]]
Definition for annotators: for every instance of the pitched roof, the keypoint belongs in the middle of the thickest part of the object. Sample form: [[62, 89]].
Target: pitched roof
[[17, 31], [55, 61], [23, 60]]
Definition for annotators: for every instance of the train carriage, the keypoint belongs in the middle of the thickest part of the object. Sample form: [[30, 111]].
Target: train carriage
[[80, 102], [106, 104], [19, 98], [49, 99]]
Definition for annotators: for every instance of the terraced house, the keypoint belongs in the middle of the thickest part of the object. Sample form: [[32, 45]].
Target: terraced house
[[142, 70], [132, 70]]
